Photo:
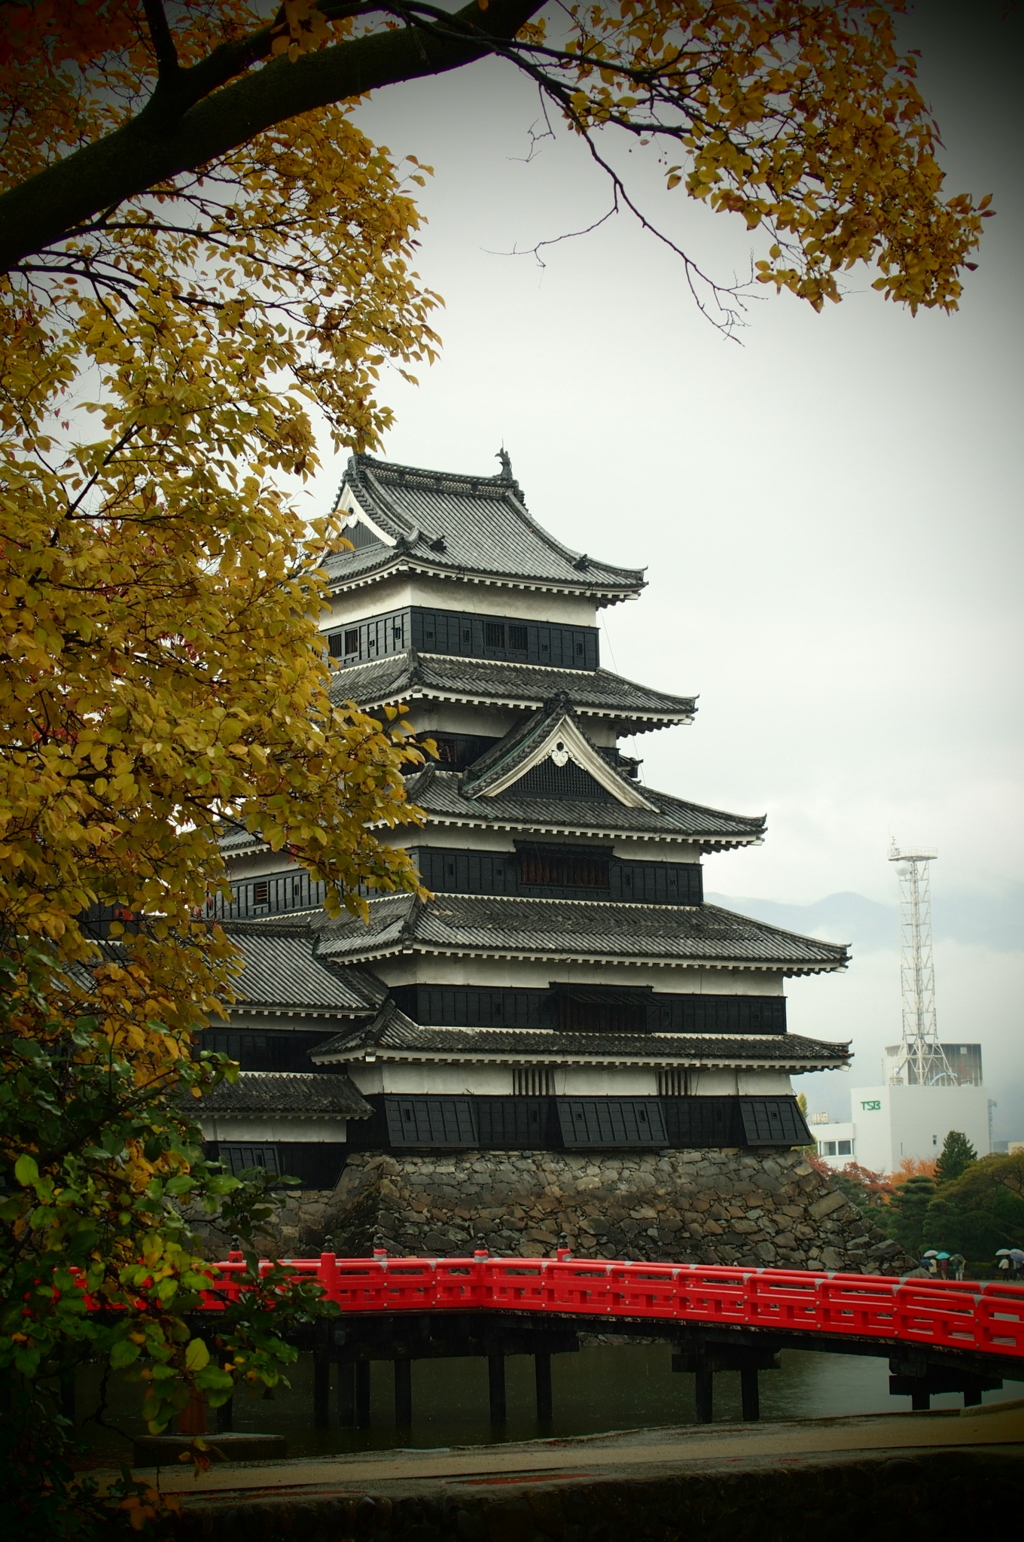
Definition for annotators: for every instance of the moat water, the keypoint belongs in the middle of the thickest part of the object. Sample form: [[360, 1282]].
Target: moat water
[[602, 1387]]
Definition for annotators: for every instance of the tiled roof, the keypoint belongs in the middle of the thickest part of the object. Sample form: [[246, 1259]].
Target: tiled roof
[[505, 761], [280, 971], [392, 1030], [440, 794], [488, 682], [516, 746], [308, 1094], [446, 523], [573, 930]]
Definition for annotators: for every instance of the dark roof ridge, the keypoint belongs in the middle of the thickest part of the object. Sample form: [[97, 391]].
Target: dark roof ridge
[[559, 704], [483, 545]]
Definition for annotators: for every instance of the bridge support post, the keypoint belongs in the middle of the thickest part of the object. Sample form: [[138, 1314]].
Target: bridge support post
[[496, 1387], [362, 1380], [403, 1394], [750, 1396], [321, 1391], [704, 1394], [542, 1379], [346, 1394]]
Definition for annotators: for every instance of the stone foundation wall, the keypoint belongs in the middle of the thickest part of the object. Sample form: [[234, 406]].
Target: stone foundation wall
[[713, 1207]]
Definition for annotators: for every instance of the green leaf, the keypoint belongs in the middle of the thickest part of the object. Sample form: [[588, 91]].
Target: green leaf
[[25, 1169], [123, 1353], [197, 1356]]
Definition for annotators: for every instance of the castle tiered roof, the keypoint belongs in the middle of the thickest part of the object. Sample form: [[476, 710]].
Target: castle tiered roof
[[565, 959], [395, 1036], [572, 931], [443, 796], [455, 526], [431, 677]]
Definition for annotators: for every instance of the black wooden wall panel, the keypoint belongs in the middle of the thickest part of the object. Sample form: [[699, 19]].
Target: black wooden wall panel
[[272, 1051], [611, 1122], [468, 636], [511, 1123], [472, 1006], [585, 874]]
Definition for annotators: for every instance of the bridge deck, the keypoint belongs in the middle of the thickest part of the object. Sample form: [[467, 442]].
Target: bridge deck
[[976, 1318]]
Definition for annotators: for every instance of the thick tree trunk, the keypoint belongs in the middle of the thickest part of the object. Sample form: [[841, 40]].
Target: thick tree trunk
[[148, 150]]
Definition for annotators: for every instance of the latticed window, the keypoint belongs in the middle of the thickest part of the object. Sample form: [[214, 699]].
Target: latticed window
[[673, 1082], [494, 634], [238, 1159], [533, 1081], [546, 868], [518, 638]]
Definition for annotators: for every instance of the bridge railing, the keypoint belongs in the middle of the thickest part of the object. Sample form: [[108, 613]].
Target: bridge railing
[[978, 1316]]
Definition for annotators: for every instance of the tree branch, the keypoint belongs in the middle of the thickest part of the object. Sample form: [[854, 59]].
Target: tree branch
[[163, 42], [158, 145]]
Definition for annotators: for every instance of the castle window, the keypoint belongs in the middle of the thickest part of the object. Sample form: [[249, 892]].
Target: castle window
[[494, 634], [261, 892], [238, 1159], [673, 1083], [518, 638], [533, 1082], [352, 642], [563, 869]]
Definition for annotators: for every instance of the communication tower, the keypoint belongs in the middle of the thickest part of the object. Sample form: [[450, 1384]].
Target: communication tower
[[920, 1059]]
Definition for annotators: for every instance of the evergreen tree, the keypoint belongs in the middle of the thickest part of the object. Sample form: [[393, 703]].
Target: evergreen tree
[[906, 1211], [956, 1156], [981, 1211]]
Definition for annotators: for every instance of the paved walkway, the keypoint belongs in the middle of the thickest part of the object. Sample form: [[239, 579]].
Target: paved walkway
[[636, 1454]]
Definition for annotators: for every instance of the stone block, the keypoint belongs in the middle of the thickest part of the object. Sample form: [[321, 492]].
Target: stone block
[[824, 1206]]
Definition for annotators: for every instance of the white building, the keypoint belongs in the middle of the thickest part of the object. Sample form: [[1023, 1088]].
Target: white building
[[897, 1120]]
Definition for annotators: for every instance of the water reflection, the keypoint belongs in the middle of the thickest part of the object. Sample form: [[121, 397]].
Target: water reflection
[[602, 1387]]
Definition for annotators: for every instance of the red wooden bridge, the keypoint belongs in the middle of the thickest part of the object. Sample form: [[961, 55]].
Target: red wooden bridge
[[985, 1318]]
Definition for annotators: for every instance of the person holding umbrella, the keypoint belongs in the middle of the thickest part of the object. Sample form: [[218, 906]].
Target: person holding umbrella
[[942, 1259], [956, 1265], [929, 1261]]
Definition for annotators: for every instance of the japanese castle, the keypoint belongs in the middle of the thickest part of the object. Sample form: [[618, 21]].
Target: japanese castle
[[566, 986]]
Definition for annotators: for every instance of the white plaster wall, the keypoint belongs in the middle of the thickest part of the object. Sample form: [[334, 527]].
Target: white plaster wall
[[482, 1081], [713, 1084], [258, 864], [580, 1081], [459, 594], [774, 1084], [438, 970], [368, 1079], [456, 839], [649, 851], [451, 718], [266, 1127]]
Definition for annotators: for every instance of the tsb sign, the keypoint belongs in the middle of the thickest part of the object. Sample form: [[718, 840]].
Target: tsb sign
[[872, 1106]]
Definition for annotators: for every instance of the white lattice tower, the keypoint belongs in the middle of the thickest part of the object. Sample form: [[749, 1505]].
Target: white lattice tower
[[923, 1060]]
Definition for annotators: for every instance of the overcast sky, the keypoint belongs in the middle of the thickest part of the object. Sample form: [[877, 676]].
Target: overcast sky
[[829, 513]]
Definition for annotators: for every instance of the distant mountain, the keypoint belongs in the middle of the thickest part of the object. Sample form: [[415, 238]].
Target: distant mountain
[[979, 920]]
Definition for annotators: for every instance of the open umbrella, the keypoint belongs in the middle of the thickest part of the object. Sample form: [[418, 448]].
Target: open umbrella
[[942, 1255], [1002, 1252], [931, 1253]]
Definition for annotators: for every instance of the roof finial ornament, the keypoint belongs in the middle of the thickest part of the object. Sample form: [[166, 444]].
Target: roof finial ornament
[[506, 465]]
